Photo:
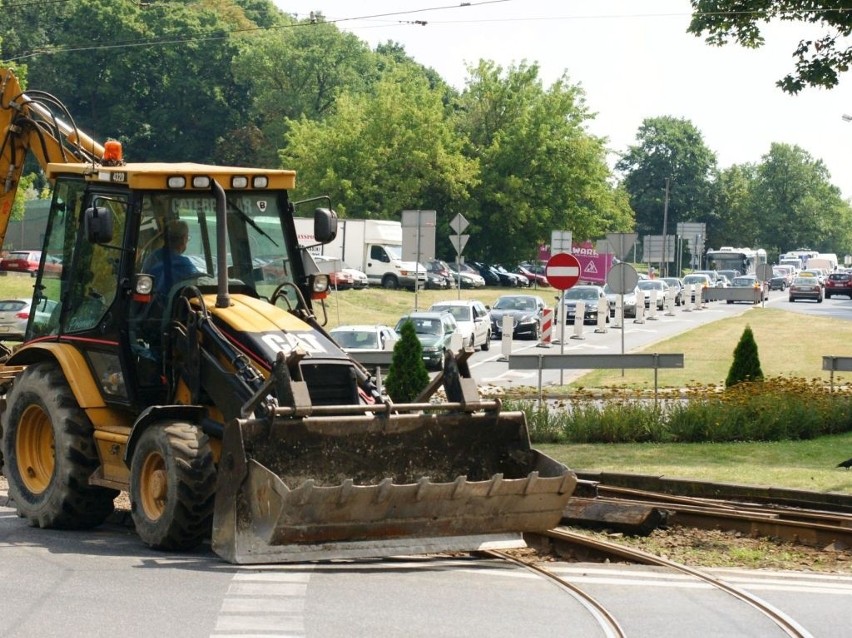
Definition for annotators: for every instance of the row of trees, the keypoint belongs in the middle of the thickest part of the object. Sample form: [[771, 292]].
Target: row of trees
[[240, 82]]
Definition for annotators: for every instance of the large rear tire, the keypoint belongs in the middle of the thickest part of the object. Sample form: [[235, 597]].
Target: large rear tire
[[172, 486], [50, 453]]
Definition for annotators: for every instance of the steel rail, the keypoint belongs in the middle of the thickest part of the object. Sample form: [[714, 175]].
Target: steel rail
[[782, 620], [608, 623]]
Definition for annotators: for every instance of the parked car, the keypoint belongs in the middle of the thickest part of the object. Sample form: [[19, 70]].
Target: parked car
[[677, 284], [28, 261], [467, 276], [491, 276], [526, 312], [365, 337], [513, 279], [838, 283], [359, 277], [434, 281], [435, 331], [591, 296], [649, 285], [805, 288], [15, 313], [629, 300], [473, 321], [534, 278], [439, 268]]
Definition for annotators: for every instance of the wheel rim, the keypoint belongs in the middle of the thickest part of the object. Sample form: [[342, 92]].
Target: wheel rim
[[153, 486], [35, 449]]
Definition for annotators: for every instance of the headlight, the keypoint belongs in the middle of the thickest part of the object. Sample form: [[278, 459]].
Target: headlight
[[319, 283]]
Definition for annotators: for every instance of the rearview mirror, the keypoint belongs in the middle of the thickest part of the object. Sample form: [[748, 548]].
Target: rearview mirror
[[325, 225], [99, 225]]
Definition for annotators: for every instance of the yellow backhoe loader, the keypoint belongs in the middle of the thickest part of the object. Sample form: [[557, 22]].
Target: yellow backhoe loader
[[183, 363]]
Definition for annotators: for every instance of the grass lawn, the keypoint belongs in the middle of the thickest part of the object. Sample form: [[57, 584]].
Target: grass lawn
[[805, 465]]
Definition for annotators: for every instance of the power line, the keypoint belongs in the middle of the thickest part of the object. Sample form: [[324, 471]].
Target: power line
[[311, 21]]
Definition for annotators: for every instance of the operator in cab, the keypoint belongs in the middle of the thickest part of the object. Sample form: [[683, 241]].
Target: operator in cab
[[168, 265]]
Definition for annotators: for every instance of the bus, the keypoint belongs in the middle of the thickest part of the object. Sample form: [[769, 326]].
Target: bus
[[743, 260]]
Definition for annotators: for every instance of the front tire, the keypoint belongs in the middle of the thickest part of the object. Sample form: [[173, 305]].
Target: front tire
[[389, 282], [50, 453], [172, 486], [486, 345]]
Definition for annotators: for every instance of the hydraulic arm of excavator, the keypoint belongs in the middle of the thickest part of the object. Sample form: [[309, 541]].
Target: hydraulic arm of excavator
[[35, 123]]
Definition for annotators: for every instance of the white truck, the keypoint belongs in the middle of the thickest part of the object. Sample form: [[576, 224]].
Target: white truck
[[371, 245]]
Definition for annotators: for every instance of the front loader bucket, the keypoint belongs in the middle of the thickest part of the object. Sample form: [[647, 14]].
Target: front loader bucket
[[317, 488]]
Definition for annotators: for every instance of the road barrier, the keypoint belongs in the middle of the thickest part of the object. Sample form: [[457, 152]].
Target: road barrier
[[640, 307], [652, 306], [543, 362], [603, 315], [546, 328], [579, 320]]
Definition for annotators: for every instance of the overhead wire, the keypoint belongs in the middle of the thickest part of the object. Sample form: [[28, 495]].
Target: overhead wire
[[310, 20]]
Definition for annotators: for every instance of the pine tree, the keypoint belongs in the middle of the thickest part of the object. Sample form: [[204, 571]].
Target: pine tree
[[407, 376], [746, 365]]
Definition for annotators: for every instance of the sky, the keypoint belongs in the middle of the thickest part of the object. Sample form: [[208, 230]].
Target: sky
[[633, 59]]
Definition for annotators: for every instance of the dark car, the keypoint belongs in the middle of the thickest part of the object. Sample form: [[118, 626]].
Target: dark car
[[512, 279], [435, 332], [526, 312], [838, 283], [590, 296], [437, 269], [491, 276], [778, 282]]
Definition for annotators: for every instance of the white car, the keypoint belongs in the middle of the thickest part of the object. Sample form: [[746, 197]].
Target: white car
[[365, 337], [473, 319]]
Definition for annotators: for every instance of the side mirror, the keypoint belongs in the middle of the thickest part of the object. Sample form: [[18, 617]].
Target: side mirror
[[325, 225], [99, 225]]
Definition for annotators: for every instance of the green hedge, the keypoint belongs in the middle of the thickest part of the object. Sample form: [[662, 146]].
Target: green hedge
[[771, 410]]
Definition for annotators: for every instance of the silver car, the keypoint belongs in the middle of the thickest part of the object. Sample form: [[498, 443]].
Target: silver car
[[15, 313]]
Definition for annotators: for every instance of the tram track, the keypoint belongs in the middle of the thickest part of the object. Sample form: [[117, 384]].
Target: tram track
[[607, 618], [811, 519]]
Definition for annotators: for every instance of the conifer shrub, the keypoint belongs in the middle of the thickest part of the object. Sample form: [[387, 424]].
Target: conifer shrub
[[407, 376], [746, 365]]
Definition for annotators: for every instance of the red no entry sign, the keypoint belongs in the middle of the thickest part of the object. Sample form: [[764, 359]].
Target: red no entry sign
[[562, 271]]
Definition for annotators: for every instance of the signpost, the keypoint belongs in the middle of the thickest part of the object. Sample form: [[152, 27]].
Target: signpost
[[562, 272], [622, 278], [459, 224]]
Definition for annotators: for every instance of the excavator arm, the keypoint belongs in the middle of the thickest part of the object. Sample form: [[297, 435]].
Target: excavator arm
[[37, 123]]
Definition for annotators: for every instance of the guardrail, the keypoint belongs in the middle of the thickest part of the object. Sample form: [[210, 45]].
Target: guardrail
[[836, 364], [543, 362]]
